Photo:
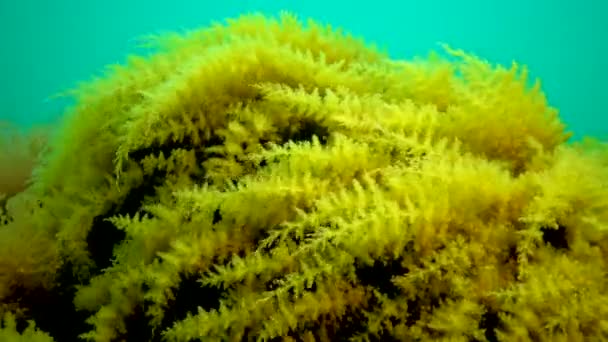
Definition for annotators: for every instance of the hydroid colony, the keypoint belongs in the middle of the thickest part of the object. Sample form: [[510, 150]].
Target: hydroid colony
[[265, 179]]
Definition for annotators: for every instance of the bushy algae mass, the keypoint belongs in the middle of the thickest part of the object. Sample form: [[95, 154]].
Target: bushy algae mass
[[20, 149], [265, 179]]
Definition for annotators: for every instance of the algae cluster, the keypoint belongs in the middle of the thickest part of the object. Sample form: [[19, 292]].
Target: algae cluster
[[268, 180]]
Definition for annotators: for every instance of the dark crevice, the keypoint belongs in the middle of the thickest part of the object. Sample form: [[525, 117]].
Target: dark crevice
[[413, 312], [489, 322], [557, 238], [217, 216], [137, 327], [305, 131], [189, 295], [379, 276], [53, 309], [166, 149], [104, 236], [101, 239]]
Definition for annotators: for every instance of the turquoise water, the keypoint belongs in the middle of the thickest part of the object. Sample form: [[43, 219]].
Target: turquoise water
[[48, 46]]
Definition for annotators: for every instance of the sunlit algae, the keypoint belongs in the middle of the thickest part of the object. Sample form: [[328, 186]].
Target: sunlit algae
[[266, 179]]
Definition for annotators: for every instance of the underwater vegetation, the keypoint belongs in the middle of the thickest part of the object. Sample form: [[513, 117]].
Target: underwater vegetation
[[265, 179], [20, 150]]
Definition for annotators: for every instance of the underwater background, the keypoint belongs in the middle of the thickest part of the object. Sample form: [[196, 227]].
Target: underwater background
[[50, 46]]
